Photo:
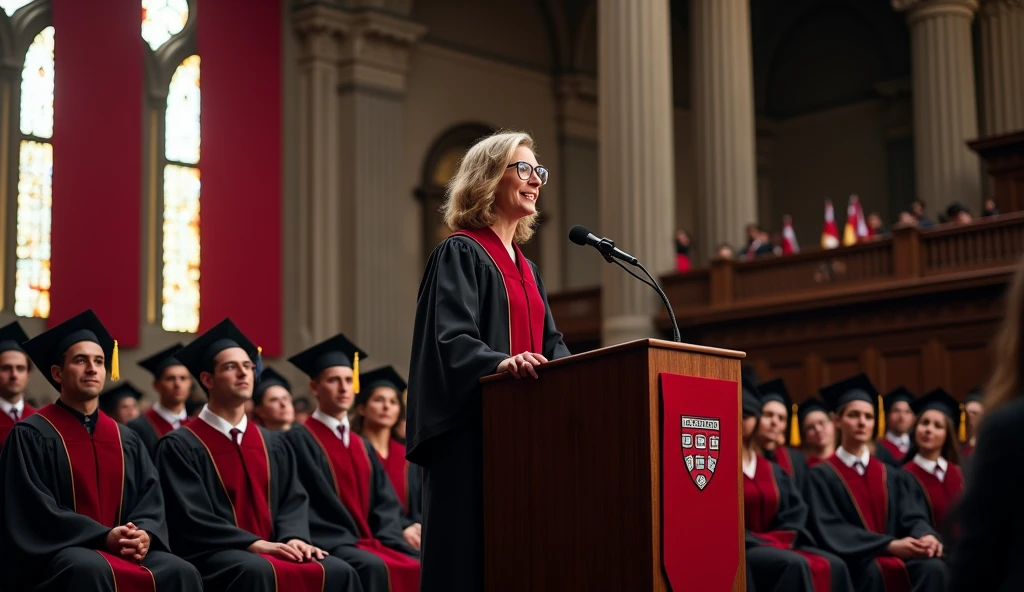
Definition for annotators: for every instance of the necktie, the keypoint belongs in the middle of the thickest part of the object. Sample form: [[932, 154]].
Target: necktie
[[14, 415], [236, 436], [341, 432], [939, 474], [861, 469]]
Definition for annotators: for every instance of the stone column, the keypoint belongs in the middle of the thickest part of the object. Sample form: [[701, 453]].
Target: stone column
[[1002, 66], [578, 177], [945, 111], [723, 115], [636, 157], [358, 267]]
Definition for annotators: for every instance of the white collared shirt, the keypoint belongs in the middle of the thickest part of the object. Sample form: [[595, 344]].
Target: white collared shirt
[[6, 407], [850, 460], [169, 416], [901, 442], [333, 424], [750, 468], [222, 425], [937, 468]]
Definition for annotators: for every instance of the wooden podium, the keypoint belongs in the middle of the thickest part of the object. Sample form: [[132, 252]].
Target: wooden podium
[[573, 474]]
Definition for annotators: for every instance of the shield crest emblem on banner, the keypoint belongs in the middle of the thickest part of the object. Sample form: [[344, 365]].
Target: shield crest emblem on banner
[[701, 442]]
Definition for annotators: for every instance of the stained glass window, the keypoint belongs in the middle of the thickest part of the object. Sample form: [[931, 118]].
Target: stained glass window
[[12, 6], [35, 177], [162, 19], [180, 310]]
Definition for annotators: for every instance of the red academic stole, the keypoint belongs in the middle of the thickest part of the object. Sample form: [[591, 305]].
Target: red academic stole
[[870, 496], [525, 306], [397, 469], [352, 473], [97, 478], [894, 449], [159, 424], [7, 424], [761, 505], [940, 494], [813, 461], [244, 472]]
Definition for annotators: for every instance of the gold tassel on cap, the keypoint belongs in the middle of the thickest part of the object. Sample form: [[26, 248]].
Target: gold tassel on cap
[[355, 373], [794, 428], [881, 417], [963, 423], [115, 364]]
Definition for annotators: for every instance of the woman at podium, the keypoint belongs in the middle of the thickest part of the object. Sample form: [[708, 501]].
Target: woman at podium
[[481, 309]]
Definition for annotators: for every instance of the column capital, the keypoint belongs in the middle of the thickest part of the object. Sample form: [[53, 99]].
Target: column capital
[[918, 10], [371, 48]]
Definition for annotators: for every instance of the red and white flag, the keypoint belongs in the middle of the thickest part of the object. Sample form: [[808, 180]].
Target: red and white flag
[[856, 229], [829, 232], [789, 244]]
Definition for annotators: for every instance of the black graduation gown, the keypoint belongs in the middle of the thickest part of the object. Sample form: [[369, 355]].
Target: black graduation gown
[[785, 568], [202, 518], [45, 545], [461, 334], [991, 515], [146, 425], [883, 454], [414, 515], [837, 526], [792, 462]]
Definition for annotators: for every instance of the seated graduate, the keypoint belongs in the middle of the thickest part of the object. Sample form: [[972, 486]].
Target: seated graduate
[[779, 548], [818, 431], [379, 408], [121, 402], [81, 501], [354, 512], [973, 410], [14, 371], [863, 509], [235, 506], [776, 429], [933, 456], [272, 401], [172, 384], [896, 421]]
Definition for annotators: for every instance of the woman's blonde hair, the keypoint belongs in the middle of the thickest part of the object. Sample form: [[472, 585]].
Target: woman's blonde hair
[[469, 202], [1005, 383]]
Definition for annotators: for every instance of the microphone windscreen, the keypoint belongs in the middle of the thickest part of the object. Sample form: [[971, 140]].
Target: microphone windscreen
[[578, 234]]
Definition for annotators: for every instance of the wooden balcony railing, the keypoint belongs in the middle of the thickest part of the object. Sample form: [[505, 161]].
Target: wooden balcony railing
[[913, 257]]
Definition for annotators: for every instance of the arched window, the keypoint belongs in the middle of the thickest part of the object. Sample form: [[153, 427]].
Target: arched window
[[162, 19], [35, 178], [180, 299]]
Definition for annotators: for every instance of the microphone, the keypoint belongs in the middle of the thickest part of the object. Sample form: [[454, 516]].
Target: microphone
[[582, 236]]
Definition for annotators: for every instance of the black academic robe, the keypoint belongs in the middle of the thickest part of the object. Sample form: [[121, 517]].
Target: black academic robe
[[47, 542], [332, 525], [463, 330], [991, 515], [792, 462], [884, 454], [414, 500], [857, 517], [150, 427], [780, 551], [204, 522]]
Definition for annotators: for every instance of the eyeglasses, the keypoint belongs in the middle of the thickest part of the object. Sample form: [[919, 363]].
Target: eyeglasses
[[526, 171]]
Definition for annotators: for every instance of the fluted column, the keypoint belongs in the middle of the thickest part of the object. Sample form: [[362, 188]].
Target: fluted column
[[359, 271], [945, 110], [636, 156], [1002, 66], [723, 115]]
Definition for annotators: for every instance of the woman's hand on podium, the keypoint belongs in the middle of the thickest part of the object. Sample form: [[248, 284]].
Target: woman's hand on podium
[[521, 365]]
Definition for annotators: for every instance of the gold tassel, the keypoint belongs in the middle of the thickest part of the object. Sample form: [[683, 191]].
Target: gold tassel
[[794, 428], [963, 423], [355, 374], [115, 365], [881, 417]]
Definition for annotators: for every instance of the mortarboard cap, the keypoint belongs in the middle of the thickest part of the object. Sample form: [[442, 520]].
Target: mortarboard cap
[[939, 400], [775, 390], [810, 406], [110, 398], [335, 351], [161, 360], [11, 337], [977, 394], [854, 388], [751, 399], [269, 378], [900, 393], [200, 355], [48, 348], [386, 376]]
